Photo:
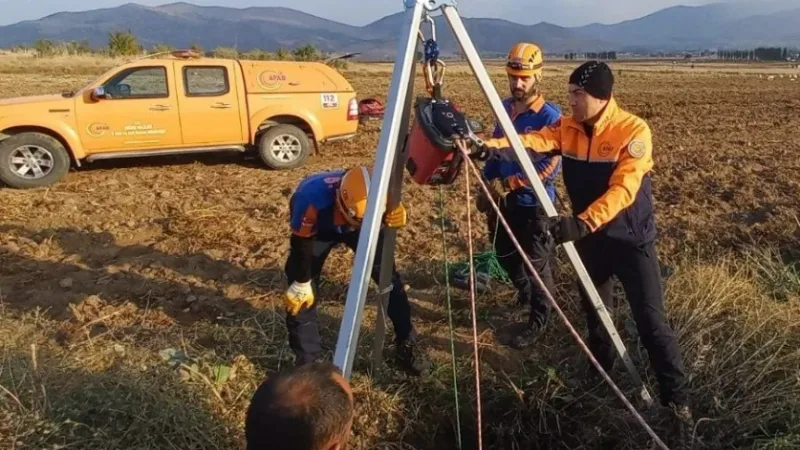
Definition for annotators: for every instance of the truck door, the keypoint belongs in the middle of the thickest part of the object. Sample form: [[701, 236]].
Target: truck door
[[139, 111], [209, 103]]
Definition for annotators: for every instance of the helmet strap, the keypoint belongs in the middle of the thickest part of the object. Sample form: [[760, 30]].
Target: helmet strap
[[343, 210]]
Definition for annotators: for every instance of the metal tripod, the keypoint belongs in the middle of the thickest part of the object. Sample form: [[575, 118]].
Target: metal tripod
[[387, 181]]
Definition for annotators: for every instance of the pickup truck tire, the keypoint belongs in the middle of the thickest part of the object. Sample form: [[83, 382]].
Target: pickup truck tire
[[32, 160], [284, 147]]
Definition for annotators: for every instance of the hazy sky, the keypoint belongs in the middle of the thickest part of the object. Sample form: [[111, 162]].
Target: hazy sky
[[560, 12]]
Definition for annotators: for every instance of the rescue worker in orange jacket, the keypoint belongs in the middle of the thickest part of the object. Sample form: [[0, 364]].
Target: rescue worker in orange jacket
[[518, 204], [608, 156]]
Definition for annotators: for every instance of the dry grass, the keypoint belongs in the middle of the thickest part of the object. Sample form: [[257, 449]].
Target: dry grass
[[123, 260], [99, 382]]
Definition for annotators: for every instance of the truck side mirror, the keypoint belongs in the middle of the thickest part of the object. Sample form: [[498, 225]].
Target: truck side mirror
[[98, 93]]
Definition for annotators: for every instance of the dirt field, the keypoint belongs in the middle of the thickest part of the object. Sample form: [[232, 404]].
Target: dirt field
[[124, 260]]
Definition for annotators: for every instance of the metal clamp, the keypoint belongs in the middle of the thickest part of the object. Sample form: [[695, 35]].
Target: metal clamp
[[430, 5]]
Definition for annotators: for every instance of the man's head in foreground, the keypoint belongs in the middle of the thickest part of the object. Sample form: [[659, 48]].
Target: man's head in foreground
[[590, 88], [307, 408]]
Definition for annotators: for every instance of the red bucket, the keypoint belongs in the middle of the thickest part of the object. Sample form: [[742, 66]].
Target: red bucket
[[433, 158]]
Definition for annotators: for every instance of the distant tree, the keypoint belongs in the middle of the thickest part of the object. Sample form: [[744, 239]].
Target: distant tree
[[44, 48], [226, 53], [283, 55], [163, 48], [306, 53], [123, 43], [78, 47], [257, 55]]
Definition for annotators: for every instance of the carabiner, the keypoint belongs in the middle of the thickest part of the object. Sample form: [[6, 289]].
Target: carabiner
[[427, 18]]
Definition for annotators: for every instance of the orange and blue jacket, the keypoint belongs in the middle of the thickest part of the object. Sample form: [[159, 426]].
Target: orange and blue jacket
[[539, 115], [606, 170], [313, 215], [312, 208]]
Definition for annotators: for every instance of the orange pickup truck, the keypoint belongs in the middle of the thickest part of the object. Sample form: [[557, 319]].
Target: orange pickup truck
[[178, 103]]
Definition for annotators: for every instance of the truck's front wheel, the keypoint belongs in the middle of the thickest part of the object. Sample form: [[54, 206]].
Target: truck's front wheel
[[284, 147], [32, 160]]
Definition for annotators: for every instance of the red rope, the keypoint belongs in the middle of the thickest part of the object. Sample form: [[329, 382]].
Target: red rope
[[474, 313], [553, 303]]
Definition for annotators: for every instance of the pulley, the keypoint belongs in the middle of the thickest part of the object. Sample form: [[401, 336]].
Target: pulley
[[433, 157]]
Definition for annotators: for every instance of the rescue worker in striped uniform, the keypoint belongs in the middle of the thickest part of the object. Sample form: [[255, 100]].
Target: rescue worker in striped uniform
[[326, 210], [608, 158], [528, 111]]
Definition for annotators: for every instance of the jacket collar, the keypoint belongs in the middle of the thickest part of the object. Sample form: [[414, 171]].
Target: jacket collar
[[535, 105], [607, 116]]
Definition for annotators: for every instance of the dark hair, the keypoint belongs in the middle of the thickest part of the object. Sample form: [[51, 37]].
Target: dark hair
[[300, 409]]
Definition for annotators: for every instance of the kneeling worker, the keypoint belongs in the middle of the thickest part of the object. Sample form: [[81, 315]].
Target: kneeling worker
[[608, 157], [518, 203], [326, 210]]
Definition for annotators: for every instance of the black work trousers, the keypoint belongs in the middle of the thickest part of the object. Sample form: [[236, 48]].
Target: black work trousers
[[638, 270], [531, 232], [304, 337]]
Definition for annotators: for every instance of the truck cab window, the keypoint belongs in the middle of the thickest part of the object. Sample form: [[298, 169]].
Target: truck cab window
[[205, 81], [143, 82]]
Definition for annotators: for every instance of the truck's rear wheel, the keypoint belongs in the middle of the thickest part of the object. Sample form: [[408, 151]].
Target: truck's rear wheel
[[284, 147], [32, 160]]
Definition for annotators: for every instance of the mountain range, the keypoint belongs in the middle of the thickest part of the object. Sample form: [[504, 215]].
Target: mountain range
[[680, 28]]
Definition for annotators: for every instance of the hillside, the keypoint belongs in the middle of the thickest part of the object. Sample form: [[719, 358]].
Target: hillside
[[729, 25]]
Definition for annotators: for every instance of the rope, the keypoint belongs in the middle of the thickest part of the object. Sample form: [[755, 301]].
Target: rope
[[485, 262], [474, 315], [450, 316], [555, 306]]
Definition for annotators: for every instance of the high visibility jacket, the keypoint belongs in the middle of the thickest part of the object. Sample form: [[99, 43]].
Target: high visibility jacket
[[312, 208], [540, 114], [606, 170]]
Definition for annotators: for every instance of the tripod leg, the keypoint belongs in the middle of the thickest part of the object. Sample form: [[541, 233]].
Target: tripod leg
[[390, 234], [347, 341]]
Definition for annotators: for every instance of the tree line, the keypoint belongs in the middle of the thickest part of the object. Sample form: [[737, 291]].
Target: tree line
[[758, 54], [591, 55], [125, 43]]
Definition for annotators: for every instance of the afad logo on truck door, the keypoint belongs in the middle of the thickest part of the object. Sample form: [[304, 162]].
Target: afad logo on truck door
[[271, 80], [97, 129]]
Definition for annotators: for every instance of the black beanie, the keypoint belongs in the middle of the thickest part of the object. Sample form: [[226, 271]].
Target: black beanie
[[594, 77]]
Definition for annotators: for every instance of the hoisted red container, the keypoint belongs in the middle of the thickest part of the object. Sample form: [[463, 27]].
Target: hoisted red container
[[433, 158]]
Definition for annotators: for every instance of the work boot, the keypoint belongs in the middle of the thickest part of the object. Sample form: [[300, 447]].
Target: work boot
[[528, 336], [681, 427], [411, 358]]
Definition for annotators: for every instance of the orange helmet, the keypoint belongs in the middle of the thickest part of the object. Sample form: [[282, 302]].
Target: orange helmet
[[353, 193], [525, 60]]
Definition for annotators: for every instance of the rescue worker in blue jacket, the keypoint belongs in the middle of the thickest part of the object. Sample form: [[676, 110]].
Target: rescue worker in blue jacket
[[607, 173], [528, 111], [325, 210]]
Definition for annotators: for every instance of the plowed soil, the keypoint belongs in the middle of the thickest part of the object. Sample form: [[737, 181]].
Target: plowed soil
[[171, 242]]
